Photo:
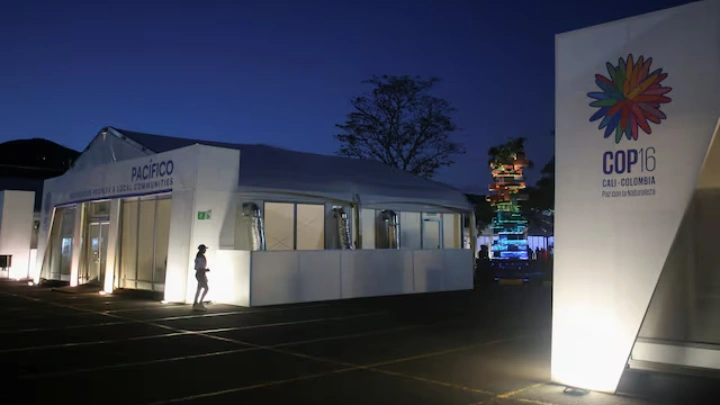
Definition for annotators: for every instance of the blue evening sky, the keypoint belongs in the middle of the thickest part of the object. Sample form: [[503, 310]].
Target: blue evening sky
[[283, 72]]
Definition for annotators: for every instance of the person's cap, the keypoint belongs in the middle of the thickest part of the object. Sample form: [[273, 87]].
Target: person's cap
[[202, 247]]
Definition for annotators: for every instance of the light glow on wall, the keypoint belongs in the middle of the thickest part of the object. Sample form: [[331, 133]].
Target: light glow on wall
[[175, 290], [577, 329], [31, 267]]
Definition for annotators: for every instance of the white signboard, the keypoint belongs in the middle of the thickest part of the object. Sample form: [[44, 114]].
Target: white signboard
[[637, 105]]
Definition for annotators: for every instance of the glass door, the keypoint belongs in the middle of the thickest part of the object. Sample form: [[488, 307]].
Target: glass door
[[145, 236], [104, 229], [96, 254], [431, 234]]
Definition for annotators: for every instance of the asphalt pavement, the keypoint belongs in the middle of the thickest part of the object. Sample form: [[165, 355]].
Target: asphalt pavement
[[487, 346]]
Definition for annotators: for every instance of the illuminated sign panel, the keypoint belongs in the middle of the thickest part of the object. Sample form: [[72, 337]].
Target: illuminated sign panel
[[637, 103]]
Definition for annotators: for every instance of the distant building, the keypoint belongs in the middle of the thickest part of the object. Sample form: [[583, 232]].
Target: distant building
[[24, 166], [26, 163]]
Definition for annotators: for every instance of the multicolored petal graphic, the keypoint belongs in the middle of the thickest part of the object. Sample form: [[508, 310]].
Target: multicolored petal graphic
[[629, 98]]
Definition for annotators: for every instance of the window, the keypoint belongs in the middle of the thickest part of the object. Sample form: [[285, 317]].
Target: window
[[431, 231], [310, 228], [128, 243], [451, 231], [279, 226], [145, 237], [100, 208], [144, 240], [367, 228], [162, 238], [410, 230], [290, 226]]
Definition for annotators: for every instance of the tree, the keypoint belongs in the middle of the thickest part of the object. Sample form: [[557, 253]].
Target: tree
[[545, 187], [401, 124], [484, 213], [505, 153], [540, 206]]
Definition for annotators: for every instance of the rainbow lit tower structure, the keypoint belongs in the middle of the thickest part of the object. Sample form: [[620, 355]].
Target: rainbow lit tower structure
[[509, 226]]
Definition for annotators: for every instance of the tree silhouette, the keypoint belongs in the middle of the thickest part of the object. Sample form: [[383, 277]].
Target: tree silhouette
[[401, 124], [505, 153]]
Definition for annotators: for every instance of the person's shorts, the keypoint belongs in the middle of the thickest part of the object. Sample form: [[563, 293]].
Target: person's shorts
[[202, 280]]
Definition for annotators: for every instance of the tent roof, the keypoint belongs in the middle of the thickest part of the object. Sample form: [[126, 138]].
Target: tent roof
[[264, 167]]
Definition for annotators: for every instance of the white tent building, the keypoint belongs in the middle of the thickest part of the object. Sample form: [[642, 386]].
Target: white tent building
[[282, 226]]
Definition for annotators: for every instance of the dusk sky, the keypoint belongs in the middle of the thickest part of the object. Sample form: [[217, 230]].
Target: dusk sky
[[283, 73]]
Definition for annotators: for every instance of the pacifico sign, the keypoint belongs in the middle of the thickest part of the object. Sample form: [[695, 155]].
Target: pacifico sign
[[147, 178], [152, 170]]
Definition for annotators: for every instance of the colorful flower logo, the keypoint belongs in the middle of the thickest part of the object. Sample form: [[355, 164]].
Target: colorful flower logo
[[630, 98]]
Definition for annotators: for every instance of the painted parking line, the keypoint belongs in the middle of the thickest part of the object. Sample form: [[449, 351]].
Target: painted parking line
[[127, 322], [437, 353], [434, 382], [14, 309], [344, 366], [247, 311], [211, 315], [532, 401], [132, 364], [96, 313], [522, 400], [520, 390], [90, 343], [190, 357], [250, 387], [316, 320], [61, 328], [172, 334]]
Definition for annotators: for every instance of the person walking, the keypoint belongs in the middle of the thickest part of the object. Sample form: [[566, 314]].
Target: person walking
[[201, 270]]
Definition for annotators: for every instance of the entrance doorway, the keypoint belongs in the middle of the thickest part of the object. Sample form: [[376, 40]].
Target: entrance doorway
[[144, 240], [58, 256], [95, 254], [431, 236]]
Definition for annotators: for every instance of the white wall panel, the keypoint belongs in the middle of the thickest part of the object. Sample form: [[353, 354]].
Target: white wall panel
[[455, 274], [16, 225], [217, 177], [319, 275], [231, 280], [275, 278], [303, 276], [429, 269]]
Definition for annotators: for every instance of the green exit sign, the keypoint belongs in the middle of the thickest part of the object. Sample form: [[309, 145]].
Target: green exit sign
[[204, 215]]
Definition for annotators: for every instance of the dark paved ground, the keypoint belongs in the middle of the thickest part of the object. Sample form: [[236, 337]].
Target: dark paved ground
[[488, 346]]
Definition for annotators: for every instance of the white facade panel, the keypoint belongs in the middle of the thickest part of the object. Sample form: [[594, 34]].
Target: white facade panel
[[16, 226], [621, 193], [303, 276]]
